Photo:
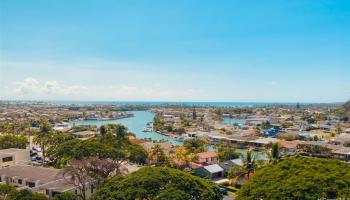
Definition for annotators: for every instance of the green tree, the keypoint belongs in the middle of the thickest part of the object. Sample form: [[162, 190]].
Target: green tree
[[43, 137], [158, 122], [194, 113], [266, 125], [6, 191], [338, 129], [121, 132], [109, 146], [10, 193], [169, 128], [157, 155], [182, 159], [27, 195], [274, 153], [250, 163], [236, 172], [299, 178], [103, 130], [13, 141], [227, 153], [195, 145], [66, 196], [155, 183]]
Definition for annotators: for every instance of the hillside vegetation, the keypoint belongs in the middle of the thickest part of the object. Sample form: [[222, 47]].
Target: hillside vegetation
[[299, 178], [158, 183]]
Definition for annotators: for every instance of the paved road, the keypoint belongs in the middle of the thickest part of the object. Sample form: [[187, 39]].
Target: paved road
[[229, 197]]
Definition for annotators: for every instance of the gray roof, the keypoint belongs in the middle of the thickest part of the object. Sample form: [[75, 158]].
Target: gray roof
[[32, 173], [214, 168], [237, 161], [230, 163]]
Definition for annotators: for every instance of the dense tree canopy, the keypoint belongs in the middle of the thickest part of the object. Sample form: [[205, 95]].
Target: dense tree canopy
[[13, 141], [66, 196], [299, 178], [10, 193], [226, 152], [158, 183], [195, 145], [113, 144]]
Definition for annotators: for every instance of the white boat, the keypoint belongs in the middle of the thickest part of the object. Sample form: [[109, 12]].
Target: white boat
[[147, 130]]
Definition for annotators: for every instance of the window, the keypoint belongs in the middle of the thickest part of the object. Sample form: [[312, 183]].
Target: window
[[19, 181], [92, 189], [7, 159], [30, 184]]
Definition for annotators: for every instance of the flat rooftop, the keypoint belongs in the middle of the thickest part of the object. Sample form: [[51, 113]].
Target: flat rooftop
[[32, 173]]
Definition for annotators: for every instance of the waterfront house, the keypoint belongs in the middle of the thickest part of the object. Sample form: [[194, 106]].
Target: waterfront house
[[262, 142], [342, 153], [289, 147], [323, 149], [84, 135]]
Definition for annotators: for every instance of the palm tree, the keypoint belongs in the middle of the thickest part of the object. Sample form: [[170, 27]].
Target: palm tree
[[103, 130], [249, 162], [274, 154], [235, 173], [121, 132], [43, 136], [249, 166], [157, 154], [184, 158]]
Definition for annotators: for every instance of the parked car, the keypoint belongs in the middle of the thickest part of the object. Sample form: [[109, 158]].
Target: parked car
[[39, 159], [33, 154]]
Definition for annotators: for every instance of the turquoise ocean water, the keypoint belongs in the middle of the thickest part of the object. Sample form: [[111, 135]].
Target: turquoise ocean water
[[135, 124]]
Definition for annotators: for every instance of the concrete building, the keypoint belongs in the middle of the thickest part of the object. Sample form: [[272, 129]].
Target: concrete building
[[10, 157], [48, 181]]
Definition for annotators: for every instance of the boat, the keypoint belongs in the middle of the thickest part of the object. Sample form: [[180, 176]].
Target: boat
[[179, 139], [147, 130]]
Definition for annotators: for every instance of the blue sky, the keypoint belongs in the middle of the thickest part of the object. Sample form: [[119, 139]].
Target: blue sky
[[181, 50]]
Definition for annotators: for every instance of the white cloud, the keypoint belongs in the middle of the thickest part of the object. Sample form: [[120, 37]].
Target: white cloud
[[31, 86], [33, 89]]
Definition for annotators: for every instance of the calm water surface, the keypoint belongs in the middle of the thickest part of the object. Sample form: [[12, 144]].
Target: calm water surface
[[135, 124], [233, 121]]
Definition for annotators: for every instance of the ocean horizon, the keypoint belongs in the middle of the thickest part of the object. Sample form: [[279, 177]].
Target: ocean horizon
[[160, 103]]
